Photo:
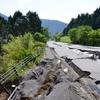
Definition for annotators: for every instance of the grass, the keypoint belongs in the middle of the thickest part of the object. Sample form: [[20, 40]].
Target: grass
[[65, 39]]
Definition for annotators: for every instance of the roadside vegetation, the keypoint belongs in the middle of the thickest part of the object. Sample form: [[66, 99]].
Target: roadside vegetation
[[65, 39], [59, 37], [85, 35], [21, 36]]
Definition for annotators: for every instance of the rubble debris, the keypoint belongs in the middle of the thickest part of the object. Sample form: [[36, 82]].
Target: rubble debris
[[52, 83]]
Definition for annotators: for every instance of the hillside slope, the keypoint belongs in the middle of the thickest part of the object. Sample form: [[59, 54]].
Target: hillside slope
[[4, 16], [54, 25]]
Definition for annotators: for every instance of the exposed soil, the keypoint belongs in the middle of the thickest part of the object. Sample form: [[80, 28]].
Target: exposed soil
[[50, 79], [3, 94]]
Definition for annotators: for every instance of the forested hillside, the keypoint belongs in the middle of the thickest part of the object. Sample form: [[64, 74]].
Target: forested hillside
[[92, 20], [53, 25]]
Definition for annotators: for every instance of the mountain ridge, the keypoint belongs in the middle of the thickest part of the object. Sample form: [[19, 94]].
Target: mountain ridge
[[4, 16], [54, 25]]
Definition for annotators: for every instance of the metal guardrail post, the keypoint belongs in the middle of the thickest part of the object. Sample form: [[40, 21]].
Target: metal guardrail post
[[14, 68], [5, 89], [12, 96], [25, 62]]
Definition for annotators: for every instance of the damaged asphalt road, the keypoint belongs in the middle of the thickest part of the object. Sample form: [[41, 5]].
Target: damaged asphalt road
[[51, 79]]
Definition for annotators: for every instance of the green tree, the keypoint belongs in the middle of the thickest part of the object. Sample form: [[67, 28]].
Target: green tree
[[45, 31], [17, 20], [72, 33], [34, 21], [3, 29], [57, 36], [39, 37], [19, 24], [80, 34]]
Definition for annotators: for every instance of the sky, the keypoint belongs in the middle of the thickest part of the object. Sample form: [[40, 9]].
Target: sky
[[62, 10]]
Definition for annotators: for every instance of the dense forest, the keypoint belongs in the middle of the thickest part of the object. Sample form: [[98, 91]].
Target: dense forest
[[92, 20], [85, 30], [21, 36]]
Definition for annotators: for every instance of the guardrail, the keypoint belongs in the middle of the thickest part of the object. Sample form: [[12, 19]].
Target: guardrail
[[12, 96], [14, 70]]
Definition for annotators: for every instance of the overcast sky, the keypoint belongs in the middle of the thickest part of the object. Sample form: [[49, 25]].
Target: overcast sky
[[62, 10]]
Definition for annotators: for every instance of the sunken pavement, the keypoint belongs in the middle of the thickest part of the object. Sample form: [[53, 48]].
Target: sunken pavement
[[67, 72]]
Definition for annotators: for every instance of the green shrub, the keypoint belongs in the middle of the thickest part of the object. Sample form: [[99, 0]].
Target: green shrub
[[65, 39], [17, 49]]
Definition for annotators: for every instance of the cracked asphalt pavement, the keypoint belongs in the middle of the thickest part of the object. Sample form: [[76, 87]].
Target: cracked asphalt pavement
[[52, 79]]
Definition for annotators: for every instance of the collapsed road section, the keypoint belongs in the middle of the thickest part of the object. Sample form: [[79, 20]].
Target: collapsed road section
[[80, 58], [54, 78]]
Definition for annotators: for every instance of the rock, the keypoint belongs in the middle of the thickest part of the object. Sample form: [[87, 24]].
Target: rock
[[27, 89]]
